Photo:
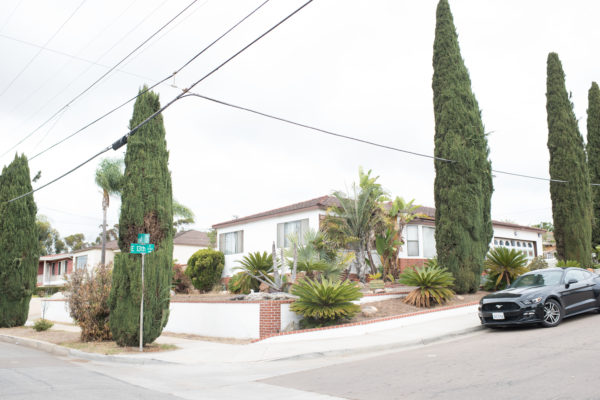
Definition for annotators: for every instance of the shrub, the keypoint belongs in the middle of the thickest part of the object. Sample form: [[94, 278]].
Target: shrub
[[325, 303], [87, 295], [537, 263], [504, 265], [205, 268], [181, 282], [42, 325], [568, 263], [253, 264], [433, 285]]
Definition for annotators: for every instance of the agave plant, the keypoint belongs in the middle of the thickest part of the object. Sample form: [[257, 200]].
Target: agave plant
[[250, 266], [325, 302], [433, 286], [504, 265]]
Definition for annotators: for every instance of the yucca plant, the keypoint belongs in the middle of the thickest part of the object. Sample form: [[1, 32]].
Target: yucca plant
[[433, 286], [326, 302], [250, 266], [568, 263], [504, 265]]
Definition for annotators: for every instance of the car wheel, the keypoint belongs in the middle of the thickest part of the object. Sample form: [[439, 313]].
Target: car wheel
[[553, 314]]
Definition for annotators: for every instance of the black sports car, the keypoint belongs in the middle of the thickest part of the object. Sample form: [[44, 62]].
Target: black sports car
[[543, 296]]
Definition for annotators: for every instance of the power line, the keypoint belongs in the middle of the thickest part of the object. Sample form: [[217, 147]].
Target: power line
[[10, 15], [55, 74], [187, 93], [40, 50], [123, 140], [157, 83], [101, 77], [74, 57]]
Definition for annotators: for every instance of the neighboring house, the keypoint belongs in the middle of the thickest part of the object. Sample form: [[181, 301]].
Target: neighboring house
[[53, 268], [91, 256], [239, 237], [419, 238], [187, 243]]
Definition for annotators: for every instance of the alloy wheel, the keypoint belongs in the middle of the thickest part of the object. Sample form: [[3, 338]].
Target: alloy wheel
[[552, 313]]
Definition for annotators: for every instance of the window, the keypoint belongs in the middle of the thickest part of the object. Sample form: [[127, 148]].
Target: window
[[412, 240], [495, 242], [82, 261], [518, 244], [529, 244], [428, 242], [285, 229], [231, 242]]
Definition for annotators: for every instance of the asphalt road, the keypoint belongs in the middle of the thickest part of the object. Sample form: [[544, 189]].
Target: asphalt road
[[29, 374], [525, 363]]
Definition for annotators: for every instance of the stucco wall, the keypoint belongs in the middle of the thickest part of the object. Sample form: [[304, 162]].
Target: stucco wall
[[182, 253]]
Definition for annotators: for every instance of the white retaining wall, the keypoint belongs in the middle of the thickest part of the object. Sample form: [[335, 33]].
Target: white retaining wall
[[230, 320]]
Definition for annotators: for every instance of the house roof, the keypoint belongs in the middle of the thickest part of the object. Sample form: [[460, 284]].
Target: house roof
[[322, 203], [325, 202], [191, 238], [60, 256]]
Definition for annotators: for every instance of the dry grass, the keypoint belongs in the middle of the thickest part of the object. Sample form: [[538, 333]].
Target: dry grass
[[73, 341]]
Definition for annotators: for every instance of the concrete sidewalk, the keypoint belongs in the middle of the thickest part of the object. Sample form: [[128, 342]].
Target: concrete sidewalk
[[379, 336]]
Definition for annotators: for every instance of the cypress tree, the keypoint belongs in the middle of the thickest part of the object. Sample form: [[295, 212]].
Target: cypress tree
[[146, 207], [593, 156], [462, 189], [571, 201], [19, 247]]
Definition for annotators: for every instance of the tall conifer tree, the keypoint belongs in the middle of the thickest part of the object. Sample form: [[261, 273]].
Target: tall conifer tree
[[146, 207], [463, 189], [571, 201], [19, 247], [593, 156]]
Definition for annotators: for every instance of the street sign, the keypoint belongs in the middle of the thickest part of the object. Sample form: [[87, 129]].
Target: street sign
[[141, 248], [143, 238]]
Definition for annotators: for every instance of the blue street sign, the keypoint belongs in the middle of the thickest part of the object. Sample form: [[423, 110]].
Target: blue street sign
[[143, 238]]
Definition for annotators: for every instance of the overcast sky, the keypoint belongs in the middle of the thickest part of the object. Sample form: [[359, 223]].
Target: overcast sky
[[357, 67]]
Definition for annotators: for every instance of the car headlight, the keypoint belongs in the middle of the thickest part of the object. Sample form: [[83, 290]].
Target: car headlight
[[534, 300]]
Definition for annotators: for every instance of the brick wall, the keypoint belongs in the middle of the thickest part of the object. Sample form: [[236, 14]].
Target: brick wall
[[409, 262], [270, 318]]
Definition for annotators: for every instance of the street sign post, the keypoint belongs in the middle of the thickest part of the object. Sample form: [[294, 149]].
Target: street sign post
[[142, 247]]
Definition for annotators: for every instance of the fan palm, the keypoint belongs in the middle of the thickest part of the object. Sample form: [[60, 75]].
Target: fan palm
[[354, 222], [504, 265], [433, 285], [109, 176]]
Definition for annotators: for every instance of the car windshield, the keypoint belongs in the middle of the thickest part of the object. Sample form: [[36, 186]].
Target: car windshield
[[541, 278]]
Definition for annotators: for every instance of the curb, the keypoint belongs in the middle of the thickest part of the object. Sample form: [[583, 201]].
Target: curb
[[377, 348], [67, 352]]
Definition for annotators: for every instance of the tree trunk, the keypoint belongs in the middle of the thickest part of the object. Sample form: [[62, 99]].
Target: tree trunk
[[362, 265], [104, 208]]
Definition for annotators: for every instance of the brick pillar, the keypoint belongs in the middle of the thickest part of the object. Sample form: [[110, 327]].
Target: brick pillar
[[270, 318]]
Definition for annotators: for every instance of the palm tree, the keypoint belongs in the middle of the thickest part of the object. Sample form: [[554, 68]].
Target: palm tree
[[505, 265], [402, 212], [109, 176], [355, 221], [184, 214]]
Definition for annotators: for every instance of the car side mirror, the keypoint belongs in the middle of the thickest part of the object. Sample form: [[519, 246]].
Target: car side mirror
[[571, 281]]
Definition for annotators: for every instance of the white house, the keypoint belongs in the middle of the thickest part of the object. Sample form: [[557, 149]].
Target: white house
[[239, 237], [419, 237]]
